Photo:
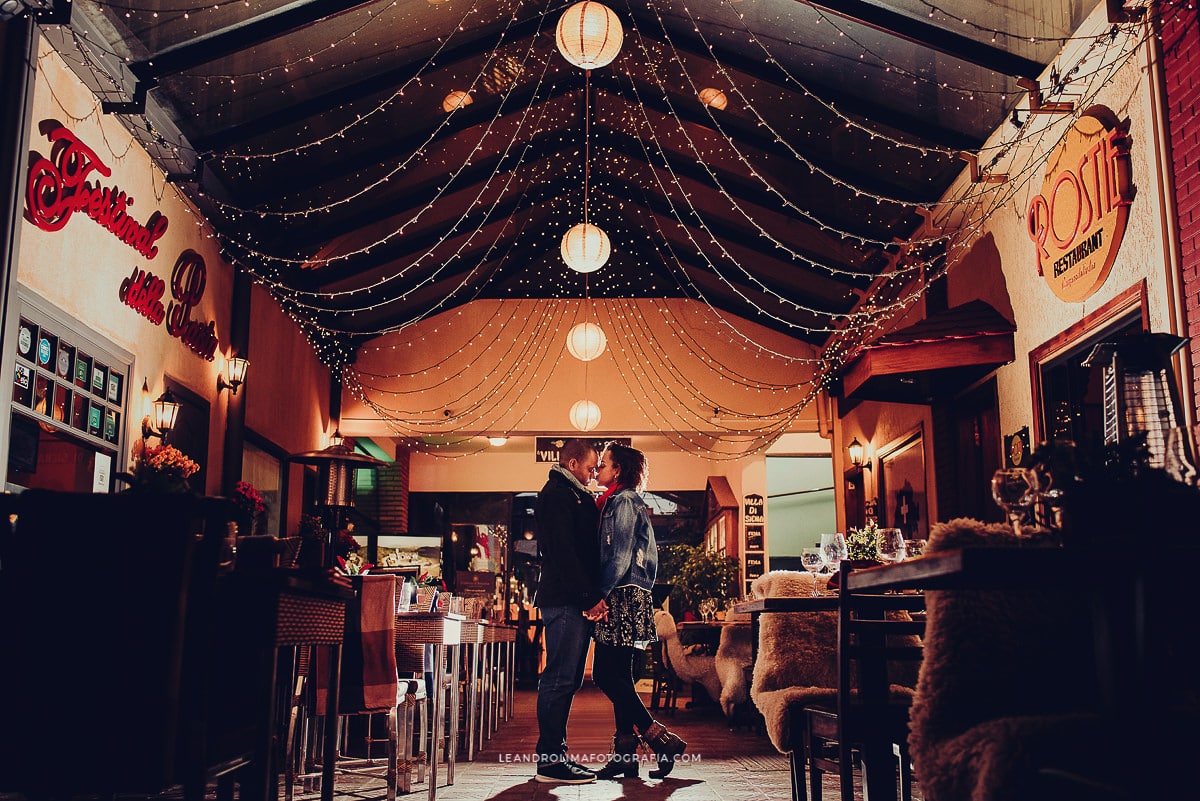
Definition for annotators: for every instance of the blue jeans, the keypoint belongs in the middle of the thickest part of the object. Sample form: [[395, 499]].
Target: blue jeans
[[568, 633]]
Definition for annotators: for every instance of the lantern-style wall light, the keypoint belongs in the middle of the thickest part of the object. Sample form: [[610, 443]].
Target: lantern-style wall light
[[585, 248], [714, 98], [236, 367], [456, 100], [585, 415], [586, 341], [856, 452], [164, 413], [589, 35]]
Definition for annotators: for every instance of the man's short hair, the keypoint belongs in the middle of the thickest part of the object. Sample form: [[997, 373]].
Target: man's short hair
[[577, 449]]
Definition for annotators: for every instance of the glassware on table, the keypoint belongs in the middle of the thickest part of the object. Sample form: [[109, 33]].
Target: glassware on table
[[813, 559], [889, 543], [915, 547], [707, 609], [1014, 491], [835, 550]]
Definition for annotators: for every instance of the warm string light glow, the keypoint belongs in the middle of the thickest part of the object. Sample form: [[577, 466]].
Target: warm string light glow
[[965, 211]]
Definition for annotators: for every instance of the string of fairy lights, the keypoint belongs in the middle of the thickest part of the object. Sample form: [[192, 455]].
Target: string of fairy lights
[[329, 317], [675, 402]]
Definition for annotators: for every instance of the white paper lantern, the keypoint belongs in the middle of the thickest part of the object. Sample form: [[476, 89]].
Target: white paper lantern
[[585, 415], [456, 100], [585, 248], [586, 341], [714, 98], [589, 35]]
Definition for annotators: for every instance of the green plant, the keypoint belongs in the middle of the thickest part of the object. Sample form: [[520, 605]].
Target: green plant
[[860, 542], [698, 574]]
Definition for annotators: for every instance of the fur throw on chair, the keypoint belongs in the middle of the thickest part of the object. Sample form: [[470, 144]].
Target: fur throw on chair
[[797, 657], [1007, 681], [734, 655], [690, 663]]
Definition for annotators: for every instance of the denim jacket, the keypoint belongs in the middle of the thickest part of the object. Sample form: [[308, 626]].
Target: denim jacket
[[628, 554]]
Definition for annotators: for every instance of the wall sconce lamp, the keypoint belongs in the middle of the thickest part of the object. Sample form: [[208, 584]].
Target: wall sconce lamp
[[237, 374], [856, 451], [164, 414]]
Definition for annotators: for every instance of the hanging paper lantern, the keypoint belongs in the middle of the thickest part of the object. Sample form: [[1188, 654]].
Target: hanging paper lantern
[[589, 35], [456, 100], [585, 248], [586, 341], [714, 98], [585, 415]]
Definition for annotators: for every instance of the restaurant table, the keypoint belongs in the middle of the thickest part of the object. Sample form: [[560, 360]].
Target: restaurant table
[[1133, 608], [442, 630]]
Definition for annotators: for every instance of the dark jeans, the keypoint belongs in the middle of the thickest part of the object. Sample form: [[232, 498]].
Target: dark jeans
[[568, 633], [612, 670]]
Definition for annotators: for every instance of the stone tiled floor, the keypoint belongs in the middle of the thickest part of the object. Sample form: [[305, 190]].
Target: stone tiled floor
[[725, 764]]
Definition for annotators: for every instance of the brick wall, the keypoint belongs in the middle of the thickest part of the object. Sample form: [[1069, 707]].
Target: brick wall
[[1181, 71], [393, 494]]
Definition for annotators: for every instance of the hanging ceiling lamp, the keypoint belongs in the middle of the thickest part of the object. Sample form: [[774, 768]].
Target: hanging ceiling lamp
[[585, 415], [586, 341], [714, 98], [585, 248], [456, 100], [589, 35]]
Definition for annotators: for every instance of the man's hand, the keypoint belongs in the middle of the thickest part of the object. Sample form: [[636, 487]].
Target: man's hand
[[597, 612]]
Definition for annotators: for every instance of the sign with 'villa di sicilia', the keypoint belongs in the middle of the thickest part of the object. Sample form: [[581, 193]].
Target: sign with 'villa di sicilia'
[[1078, 219]]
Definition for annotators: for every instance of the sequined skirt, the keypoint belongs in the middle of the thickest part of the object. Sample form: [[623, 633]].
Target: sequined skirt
[[630, 620]]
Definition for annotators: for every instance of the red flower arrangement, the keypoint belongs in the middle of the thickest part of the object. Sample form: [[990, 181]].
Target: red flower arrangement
[[248, 499]]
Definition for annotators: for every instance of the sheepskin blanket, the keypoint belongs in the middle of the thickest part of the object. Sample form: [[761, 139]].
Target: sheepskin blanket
[[1007, 678], [690, 663], [797, 658], [734, 656]]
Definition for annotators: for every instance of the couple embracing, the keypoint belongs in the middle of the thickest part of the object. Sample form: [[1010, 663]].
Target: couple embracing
[[599, 561]]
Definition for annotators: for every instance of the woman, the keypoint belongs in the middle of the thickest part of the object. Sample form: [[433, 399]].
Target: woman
[[629, 560]]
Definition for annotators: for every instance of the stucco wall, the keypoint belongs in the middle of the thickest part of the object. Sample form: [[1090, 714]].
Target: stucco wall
[[80, 269], [1002, 266]]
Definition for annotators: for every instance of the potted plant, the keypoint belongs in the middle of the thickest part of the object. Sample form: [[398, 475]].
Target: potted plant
[[699, 574]]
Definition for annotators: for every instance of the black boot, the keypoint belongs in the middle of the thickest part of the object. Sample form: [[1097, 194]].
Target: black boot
[[666, 747], [624, 760]]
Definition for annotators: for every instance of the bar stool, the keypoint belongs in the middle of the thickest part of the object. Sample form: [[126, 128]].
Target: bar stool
[[443, 632]]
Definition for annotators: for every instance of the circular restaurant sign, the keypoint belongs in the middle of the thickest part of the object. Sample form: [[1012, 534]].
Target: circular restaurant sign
[[1077, 221]]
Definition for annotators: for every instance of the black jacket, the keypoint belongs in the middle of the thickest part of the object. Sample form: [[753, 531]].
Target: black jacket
[[569, 544]]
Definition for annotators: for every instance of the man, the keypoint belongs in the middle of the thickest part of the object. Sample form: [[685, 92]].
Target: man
[[569, 597]]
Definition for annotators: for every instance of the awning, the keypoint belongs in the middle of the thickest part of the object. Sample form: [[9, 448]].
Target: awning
[[932, 359]]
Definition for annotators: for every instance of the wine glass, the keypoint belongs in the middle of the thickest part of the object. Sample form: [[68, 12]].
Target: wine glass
[[707, 609], [1014, 491], [889, 543], [833, 546], [813, 560]]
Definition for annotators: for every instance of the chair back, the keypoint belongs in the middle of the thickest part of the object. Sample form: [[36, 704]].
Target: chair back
[[368, 678], [880, 647]]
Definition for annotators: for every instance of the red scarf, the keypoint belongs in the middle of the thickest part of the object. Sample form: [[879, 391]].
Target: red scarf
[[600, 501]]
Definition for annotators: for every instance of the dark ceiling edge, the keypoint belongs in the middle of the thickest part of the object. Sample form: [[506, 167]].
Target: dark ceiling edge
[[324, 103], [920, 129], [240, 36], [931, 36]]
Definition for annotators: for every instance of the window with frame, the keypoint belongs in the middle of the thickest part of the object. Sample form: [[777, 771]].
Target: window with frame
[[1068, 398], [68, 404]]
